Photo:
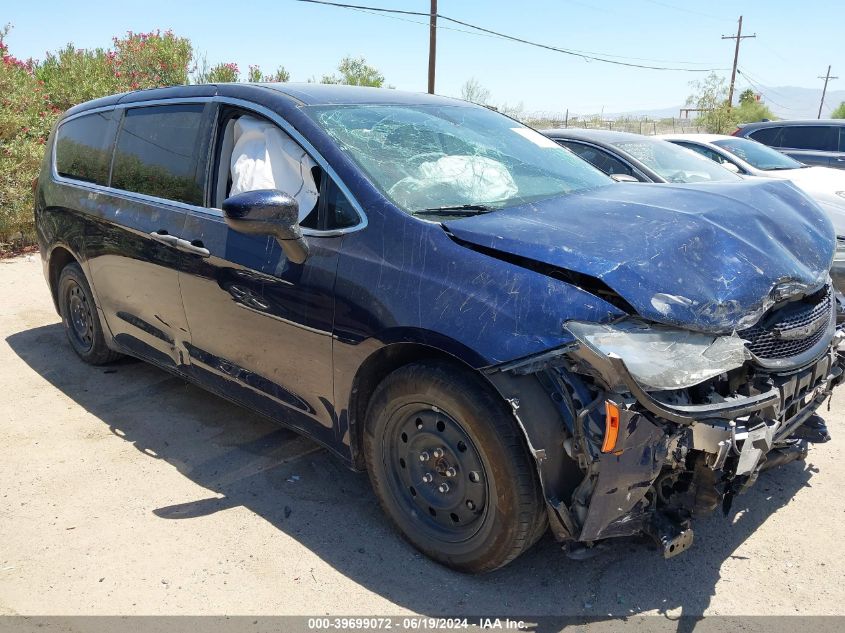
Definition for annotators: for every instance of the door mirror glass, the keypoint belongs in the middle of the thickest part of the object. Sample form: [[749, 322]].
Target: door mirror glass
[[268, 212]]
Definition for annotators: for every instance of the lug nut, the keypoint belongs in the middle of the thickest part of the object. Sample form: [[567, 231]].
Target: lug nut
[[424, 456], [474, 477], [427, 478], [438, 453], [451, 472], [444, 488], [470, 505]]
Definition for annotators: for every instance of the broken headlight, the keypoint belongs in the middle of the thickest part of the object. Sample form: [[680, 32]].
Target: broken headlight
[[660, 357]]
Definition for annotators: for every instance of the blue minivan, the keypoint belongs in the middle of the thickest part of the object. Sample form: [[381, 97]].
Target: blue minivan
[[505, 339]]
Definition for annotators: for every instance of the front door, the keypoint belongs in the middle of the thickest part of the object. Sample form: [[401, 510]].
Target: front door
[[261, 326]]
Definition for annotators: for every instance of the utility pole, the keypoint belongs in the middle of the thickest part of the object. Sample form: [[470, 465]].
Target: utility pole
[[432, 45], [826, 78], [738, 37]]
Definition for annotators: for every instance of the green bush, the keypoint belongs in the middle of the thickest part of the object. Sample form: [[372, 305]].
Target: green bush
[[33, 94]]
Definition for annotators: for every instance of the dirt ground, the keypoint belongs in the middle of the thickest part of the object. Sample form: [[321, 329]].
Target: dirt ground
[[127, 491]]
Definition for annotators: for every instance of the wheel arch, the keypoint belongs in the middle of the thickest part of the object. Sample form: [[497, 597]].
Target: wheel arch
[[376, 367], [59, 257]]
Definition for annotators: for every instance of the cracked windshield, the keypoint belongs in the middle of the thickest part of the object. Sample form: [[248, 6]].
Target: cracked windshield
[[430, 159]]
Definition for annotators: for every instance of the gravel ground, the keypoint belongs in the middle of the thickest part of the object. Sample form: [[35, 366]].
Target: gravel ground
[[127, 491]]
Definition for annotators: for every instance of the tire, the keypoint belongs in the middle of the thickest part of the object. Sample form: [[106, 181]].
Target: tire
[[492, 509], [80, 318]]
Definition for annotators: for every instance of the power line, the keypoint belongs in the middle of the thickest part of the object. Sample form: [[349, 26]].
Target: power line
[[761, 92], [685, 10], [488, 35], [762, 82], [587, 56]]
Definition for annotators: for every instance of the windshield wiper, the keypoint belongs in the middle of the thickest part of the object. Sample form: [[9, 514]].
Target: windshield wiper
[[458, 209]]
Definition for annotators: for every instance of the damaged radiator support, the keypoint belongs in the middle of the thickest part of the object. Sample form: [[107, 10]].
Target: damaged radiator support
[[670, 462]]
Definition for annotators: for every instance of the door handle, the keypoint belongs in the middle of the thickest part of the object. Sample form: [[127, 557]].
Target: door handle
[[194, 247], [164, 237]]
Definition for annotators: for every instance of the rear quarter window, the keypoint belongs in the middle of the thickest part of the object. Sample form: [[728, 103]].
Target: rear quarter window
[[84, 147], [818, 137], [767, 136], [156, 152]]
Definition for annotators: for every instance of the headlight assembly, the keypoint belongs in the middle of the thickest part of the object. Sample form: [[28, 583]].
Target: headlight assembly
[[661, 357]]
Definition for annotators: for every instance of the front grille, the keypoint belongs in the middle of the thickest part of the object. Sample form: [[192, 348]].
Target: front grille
[[779, 335]]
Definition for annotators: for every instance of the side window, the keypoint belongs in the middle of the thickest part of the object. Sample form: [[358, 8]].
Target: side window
[[599, 158], [842, 139], [338, 212], [816, 137], [254, 153], [156, 152], [704, 151], [84, 147], [767, 136]]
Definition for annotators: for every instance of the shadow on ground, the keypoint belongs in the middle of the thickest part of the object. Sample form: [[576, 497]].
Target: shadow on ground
[[244, 460]]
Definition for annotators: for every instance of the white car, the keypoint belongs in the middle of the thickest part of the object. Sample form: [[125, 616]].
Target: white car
[[752, 159]]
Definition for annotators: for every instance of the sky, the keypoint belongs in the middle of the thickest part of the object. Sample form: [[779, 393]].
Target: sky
[[793, 45]]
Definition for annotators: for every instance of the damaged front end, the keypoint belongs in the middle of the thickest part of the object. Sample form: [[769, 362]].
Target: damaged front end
[[656, 425]]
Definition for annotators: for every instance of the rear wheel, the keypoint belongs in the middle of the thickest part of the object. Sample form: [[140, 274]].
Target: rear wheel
[[451, 469], [80, 319]]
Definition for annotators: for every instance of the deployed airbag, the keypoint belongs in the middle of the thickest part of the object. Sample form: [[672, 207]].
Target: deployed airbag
[[264, 157], [466, 179]]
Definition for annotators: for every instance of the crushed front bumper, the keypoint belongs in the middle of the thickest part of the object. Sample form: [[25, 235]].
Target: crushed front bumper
[[670, 462]]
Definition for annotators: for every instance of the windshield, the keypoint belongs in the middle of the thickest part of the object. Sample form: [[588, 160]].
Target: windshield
[[758, 155], [675, 164], [432, 157]]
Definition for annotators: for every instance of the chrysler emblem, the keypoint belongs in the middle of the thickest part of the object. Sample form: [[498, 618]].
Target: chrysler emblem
[[802, 332]]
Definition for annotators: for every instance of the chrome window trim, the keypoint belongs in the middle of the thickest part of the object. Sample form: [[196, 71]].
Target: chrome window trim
[[212, 211]]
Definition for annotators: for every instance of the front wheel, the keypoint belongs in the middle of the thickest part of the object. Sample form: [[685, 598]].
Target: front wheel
[[451, 469]]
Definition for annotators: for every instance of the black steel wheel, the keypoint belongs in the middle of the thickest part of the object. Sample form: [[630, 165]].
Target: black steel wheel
[[437, 472], [450, 467], [80, 316], [80, 319]]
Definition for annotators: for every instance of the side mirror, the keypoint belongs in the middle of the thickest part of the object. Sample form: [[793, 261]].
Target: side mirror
[[623, 178], [268, 212], [730, 167]]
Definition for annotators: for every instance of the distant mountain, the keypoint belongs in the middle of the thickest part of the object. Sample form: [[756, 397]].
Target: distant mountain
[[791, 102], [786, 102]]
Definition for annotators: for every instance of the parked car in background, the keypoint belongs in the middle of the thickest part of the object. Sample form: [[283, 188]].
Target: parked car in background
[[813, 142], [501, 336], [639, 157]]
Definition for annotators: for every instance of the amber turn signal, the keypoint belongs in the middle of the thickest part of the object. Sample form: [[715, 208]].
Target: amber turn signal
[[611, 426]]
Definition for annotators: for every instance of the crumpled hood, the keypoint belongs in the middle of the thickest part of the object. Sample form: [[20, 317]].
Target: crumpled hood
[[712, 258]]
